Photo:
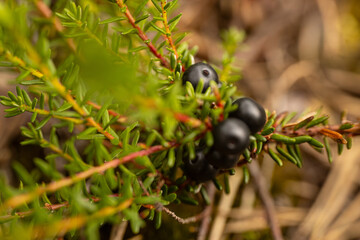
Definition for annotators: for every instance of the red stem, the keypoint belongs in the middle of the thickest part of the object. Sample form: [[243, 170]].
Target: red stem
[[142, 35]]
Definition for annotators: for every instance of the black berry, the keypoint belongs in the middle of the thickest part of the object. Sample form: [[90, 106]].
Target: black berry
[[199, 169], [252, 113], [222, 161], [231, 136], [199, 71]]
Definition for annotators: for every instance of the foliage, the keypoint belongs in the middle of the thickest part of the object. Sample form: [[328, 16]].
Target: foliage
[[90, 68]]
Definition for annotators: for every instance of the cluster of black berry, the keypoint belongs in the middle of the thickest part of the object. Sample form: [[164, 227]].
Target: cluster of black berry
[[231, 136]]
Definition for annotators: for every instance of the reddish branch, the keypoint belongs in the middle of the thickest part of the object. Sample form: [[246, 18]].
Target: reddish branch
[[54, 186], [333, 131], [119, 117], [142, 35]]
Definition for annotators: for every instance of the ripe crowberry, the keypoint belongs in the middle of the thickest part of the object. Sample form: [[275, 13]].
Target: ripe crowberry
[[199, 169], [220, 160], [252, 113], [231, 136], [199, 71]]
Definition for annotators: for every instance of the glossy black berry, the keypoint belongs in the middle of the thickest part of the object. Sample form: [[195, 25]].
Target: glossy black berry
[[222, 161], [231, 136], [252, 113], [199, 71], [199, 169]]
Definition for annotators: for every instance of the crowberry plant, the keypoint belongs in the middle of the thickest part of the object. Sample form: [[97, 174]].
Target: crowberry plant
[[154, 125]]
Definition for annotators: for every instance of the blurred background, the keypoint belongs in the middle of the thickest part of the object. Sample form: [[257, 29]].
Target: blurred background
[[297, 56]]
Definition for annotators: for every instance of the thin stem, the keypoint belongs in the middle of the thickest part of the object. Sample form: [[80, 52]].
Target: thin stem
[[171, 213], [142, 35], [266, 199], [205, 224], [167, 29], [192, 219], [63, 226], [56, 149], [50, 207], [47, 113], [120, 118], [101, 130], [19, 62]]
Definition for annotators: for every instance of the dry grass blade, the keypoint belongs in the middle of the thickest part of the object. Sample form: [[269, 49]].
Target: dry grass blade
[[224, 207], [336, 192], [244, 222]]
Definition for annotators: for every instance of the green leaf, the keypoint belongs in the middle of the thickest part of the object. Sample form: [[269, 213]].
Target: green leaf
[[90, 137], [260, 138], [292, 150], [205, 195], [158, 219], [246, 175], [53, 137], [316, 143], [179, 38], [171, 197], [275, 157], [34, 103], [317, 121], [160, 30], [43, 122], [113, 19], [22, 75], [328, 149], [135, 221], [217, 184], [282, 138], [269, 123], [171, 157], [345, 126], [13, 97], [129, 31], [147, 200], [175, 19], [26, 98], [145, 161], [24, 175], [349, 142], [157, 6], [302, 139], [140, 7], [286, 155], [340, 148], [188, 200], [33, 117], [142, 18], [42, 101], [173, 60], [32, 82], [303, 123], [288, 118], [247, 155], [13, 114], [64, 107], [137, 49]]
